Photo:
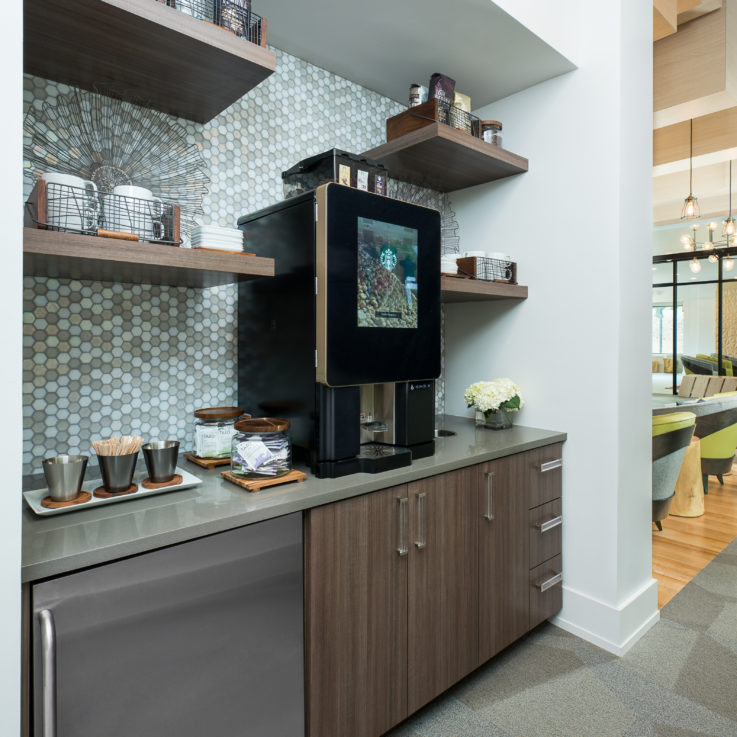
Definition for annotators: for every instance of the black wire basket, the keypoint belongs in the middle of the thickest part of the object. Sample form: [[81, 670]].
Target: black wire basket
[[89, 211], [233, 15], [488, 269]]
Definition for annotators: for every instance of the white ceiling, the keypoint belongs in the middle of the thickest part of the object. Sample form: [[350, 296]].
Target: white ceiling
[[386, 45]]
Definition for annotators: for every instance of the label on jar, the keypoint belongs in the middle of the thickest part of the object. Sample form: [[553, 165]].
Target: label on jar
[[213, 441], [380, 184], [253, 453], [344, 174], [362, 180]]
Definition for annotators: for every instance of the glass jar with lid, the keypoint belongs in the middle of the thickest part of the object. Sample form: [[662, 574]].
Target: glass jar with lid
[[214, 428], [261, 448], [491, 132]]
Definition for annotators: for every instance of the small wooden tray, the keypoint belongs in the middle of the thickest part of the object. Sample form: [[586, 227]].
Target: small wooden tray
[[258, 484], [206, 462], [175, 480]]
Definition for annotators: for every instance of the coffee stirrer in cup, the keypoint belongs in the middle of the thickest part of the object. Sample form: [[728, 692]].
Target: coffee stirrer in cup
[[118, 446]]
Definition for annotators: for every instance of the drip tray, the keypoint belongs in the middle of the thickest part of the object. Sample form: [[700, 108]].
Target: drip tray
[[378, 457]]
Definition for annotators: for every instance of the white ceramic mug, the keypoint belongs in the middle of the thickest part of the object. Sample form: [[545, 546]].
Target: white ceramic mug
[[133, 209], [71, 202]]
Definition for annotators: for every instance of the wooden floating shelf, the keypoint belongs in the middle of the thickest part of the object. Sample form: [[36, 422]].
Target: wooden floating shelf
[[70, 256], [475, 290], [446, 159], [168, 60]]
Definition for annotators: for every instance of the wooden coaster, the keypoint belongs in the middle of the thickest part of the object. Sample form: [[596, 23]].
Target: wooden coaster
[[258, 484], [206, 462], [173, 481], [81, 498], [101, 493]]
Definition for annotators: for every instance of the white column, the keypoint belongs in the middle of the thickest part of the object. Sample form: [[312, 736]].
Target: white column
[[579, 225], [11, 309]]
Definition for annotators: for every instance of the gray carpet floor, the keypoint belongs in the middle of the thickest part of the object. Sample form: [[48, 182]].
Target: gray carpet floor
[[678, 680]]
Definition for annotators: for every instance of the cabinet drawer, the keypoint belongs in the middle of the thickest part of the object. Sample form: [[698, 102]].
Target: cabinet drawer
[[546, 590], [546, 524], [545, 474]]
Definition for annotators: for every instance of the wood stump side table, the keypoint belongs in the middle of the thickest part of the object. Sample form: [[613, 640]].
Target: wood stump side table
[[689, 498]]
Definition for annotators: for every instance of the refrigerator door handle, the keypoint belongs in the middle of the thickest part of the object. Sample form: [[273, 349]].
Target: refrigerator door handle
[[48, 672]]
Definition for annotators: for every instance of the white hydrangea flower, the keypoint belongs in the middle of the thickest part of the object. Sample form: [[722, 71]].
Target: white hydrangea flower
[[490, 395]]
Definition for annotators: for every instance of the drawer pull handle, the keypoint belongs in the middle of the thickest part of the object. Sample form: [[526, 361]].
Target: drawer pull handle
[[545, 585], [489, 516], [420, 543], [403, 548], [551, 465], [550, 524]]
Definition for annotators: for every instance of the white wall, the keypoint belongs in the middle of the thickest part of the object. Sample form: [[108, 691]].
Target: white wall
[[579, 345], [11, 282]]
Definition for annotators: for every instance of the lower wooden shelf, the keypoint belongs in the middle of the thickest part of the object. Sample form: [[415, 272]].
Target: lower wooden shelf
[[476, 290], [71, 256]]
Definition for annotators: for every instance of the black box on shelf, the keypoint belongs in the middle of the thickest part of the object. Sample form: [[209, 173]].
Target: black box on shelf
[[337, 166]]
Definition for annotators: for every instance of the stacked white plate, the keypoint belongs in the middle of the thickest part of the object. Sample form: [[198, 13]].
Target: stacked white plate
[[217, 238]]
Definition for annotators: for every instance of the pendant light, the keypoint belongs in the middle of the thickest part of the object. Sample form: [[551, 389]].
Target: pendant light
[[729, 228], [690, 204], [694, 265]]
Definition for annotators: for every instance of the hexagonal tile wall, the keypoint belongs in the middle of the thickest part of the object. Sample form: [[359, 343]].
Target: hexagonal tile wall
[[103, 358]]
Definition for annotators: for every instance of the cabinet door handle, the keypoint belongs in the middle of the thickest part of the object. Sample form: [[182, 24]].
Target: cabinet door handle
[[48, 672], [403, 548], [551, 465], [489, 516], [550, 524], [545, 585], [420, 543]]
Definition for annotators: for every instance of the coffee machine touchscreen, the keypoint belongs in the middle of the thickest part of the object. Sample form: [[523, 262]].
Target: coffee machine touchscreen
[[387, 275]]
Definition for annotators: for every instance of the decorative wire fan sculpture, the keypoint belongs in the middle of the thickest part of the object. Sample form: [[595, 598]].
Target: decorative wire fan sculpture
[[113, 142]]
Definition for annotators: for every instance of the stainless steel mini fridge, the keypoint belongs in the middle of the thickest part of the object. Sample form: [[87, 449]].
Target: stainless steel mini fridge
[[201, 638]]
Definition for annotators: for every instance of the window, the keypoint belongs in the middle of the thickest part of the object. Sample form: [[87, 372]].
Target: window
[[663, 328]]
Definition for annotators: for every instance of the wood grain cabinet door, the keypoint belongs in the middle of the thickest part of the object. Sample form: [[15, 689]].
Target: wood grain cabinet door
[[356, 614], [443, 584], [503, 553]]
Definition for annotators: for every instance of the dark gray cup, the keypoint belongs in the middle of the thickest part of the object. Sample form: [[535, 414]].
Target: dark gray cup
[[117, 471], [161, 459], [64, 476]]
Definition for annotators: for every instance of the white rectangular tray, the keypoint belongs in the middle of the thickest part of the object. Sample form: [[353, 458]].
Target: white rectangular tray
[[33, 498]]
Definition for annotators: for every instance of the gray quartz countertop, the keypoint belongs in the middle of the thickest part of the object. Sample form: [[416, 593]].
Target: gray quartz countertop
[[66, 542]]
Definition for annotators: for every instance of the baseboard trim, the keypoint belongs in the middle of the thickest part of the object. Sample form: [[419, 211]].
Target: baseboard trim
[[616, 629]]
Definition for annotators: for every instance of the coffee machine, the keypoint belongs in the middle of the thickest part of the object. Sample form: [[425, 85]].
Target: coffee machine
[[344, 340]]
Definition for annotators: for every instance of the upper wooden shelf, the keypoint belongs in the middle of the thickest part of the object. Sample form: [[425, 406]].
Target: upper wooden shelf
[[168, 60], [70, 256], [446, 159], [475, 290]]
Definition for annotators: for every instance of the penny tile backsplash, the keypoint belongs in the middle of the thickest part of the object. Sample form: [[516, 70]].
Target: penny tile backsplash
[[103, 358]]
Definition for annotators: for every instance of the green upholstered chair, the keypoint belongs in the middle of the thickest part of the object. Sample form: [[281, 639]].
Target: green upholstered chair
[[726, 363], [716, 427], [672, 432]]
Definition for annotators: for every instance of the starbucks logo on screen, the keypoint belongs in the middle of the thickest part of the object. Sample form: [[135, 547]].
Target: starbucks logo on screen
[[388, 258]]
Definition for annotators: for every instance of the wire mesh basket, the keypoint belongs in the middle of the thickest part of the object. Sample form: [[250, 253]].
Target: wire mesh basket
[[488, 269], [234, 15], [432, 111], [89, 211]]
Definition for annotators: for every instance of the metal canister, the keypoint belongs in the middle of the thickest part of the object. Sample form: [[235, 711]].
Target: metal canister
[[491, 132], [417, 95]]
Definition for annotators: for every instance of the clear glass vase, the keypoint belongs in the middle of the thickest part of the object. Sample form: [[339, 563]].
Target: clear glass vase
[[494, 419]]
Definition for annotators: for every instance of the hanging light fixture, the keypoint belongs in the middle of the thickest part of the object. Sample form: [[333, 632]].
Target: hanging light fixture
[[694, 265], [729, 229], [728, 263], [690, 204]]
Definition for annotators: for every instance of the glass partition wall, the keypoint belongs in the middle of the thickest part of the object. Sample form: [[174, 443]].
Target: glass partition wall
[[694, 317]]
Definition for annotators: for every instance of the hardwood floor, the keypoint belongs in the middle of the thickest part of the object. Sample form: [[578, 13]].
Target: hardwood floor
[[687, 544]]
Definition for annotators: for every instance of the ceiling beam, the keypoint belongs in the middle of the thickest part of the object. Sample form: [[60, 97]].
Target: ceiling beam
[[695, 70], [665, 18], [715, 132]]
